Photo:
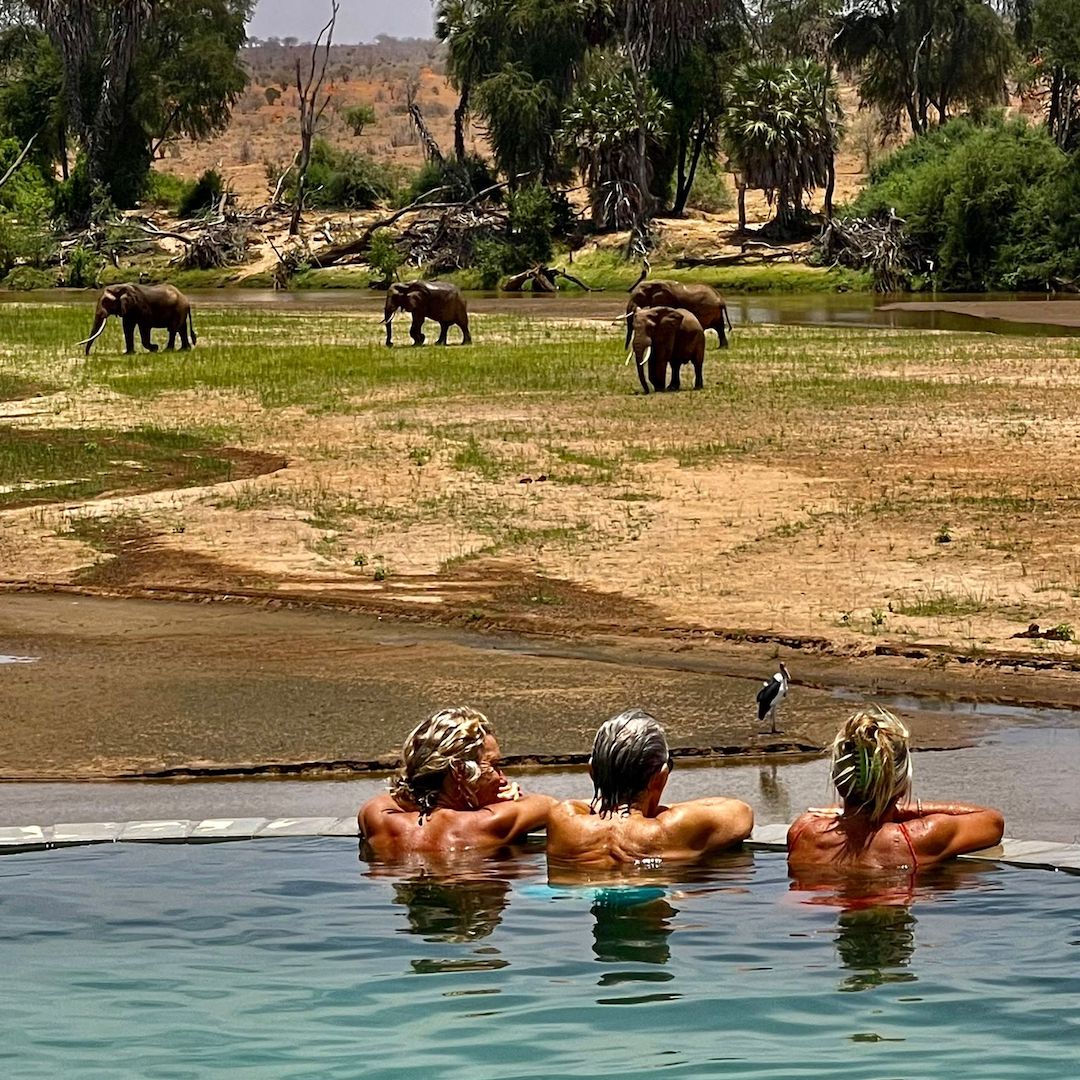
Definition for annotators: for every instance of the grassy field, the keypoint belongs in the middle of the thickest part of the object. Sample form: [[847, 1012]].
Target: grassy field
[[850, 482]]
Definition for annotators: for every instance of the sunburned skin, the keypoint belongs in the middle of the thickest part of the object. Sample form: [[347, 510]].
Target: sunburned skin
[[484, 815], [911, 836], [647, 834]]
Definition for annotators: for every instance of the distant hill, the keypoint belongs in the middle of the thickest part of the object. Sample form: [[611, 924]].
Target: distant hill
[[265, 123]]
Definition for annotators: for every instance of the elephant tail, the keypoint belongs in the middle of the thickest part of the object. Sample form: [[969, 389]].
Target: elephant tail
[[191, 327], [728, 317]]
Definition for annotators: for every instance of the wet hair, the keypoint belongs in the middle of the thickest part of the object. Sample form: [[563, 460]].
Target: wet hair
[[628, 751], [871, 762], [448, 741]]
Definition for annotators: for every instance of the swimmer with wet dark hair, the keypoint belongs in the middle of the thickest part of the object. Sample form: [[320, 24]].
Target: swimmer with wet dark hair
[[625, 823]]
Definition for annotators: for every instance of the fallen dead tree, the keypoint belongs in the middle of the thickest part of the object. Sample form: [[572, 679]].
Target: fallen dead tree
[[541, 279], [752, 251], [879, 244]]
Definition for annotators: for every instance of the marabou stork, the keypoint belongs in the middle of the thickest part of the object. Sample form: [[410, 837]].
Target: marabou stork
[[770, 695]]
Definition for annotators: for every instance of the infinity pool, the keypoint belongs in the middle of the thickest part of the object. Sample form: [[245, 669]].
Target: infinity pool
[[292, 958]]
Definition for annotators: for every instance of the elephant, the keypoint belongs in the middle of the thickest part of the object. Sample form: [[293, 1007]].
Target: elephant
[[703, 301], [440, 301], [146, 307], [662, 336]]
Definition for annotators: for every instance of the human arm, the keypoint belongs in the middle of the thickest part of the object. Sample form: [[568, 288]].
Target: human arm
[[511, 819], [941, 830], [705, 825]]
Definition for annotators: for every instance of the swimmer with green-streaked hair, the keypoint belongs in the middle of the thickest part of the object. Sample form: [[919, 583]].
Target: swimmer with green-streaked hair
[[877, 826], [625, 823], [450, 794]]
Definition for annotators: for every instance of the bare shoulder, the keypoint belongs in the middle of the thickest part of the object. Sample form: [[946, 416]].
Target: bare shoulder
[[569, 809], [710, 823]]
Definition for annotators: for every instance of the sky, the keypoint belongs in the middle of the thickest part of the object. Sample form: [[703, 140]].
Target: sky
[[358, 20]]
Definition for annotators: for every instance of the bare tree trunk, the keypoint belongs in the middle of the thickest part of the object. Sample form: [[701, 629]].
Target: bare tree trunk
[[461, 114], [311, 109]]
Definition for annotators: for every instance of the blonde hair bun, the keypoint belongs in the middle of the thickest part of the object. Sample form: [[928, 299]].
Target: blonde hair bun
[[871, 761]]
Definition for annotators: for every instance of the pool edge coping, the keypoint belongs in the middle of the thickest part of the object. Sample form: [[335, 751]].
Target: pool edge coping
[[1036, 854]]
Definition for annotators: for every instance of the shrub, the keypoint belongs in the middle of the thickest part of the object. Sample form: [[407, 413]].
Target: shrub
[[493, 259], [342, 179], [989, 203], [711, 192], [203, 194], [81, 267], [358, 117], [383, 256], [461, 179], [166, 190], [25, 278]]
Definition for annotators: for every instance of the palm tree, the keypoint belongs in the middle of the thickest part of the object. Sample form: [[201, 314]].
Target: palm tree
[[781, 129], [470, 53]]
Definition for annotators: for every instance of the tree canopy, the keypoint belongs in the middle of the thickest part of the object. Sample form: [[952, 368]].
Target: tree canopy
[[112, 81]]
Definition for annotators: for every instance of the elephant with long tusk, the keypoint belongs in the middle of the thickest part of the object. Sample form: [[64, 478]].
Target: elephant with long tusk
[[145, 307], [664, 336]]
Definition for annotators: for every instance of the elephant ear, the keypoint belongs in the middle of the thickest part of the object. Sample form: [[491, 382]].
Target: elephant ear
[[669, 318], [128, 302]]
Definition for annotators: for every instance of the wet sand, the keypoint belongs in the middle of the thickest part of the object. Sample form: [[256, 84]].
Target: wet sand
[[128, 688]]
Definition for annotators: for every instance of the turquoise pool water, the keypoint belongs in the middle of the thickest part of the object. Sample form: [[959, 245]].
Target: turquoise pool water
[[292, 958]]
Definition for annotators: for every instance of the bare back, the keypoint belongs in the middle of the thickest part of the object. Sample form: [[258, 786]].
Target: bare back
[[579, 836], [390, 832], [912, 837]]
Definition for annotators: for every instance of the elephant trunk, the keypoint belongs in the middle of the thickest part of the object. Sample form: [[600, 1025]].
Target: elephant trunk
[[101, 317]]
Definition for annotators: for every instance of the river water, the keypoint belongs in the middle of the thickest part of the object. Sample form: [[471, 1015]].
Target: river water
[[1005, 313]]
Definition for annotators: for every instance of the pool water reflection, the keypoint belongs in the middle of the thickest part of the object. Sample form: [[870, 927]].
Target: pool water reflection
[[284, 958]]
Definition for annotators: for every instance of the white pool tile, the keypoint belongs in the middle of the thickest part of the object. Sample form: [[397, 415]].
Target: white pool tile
[[24, 836], [343, 826], [305, 826], [227, 828], [87, 832], [156, 830]]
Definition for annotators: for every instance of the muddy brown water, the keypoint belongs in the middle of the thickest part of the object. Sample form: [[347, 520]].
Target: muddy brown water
[[1029, 314]]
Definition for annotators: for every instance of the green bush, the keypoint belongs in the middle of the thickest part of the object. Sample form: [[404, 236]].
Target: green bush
[[81, 267], [167, 190], [710, 191], [202, 195], [460, 179], [383, 256], [494, 259], [342, 180], [991, 204], [26, 278]]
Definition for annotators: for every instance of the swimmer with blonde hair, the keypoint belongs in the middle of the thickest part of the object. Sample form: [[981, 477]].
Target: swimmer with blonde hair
[[450, 793], [625, 823], [877, 827]]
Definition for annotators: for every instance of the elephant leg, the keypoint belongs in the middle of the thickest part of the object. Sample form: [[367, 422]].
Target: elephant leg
[[699, 363], [675, 383], [184, 343], [657, 373], [721, 335], [144, 333], [129, 336], [416, 331], [172, 341], [466, 337], [444, 329]]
